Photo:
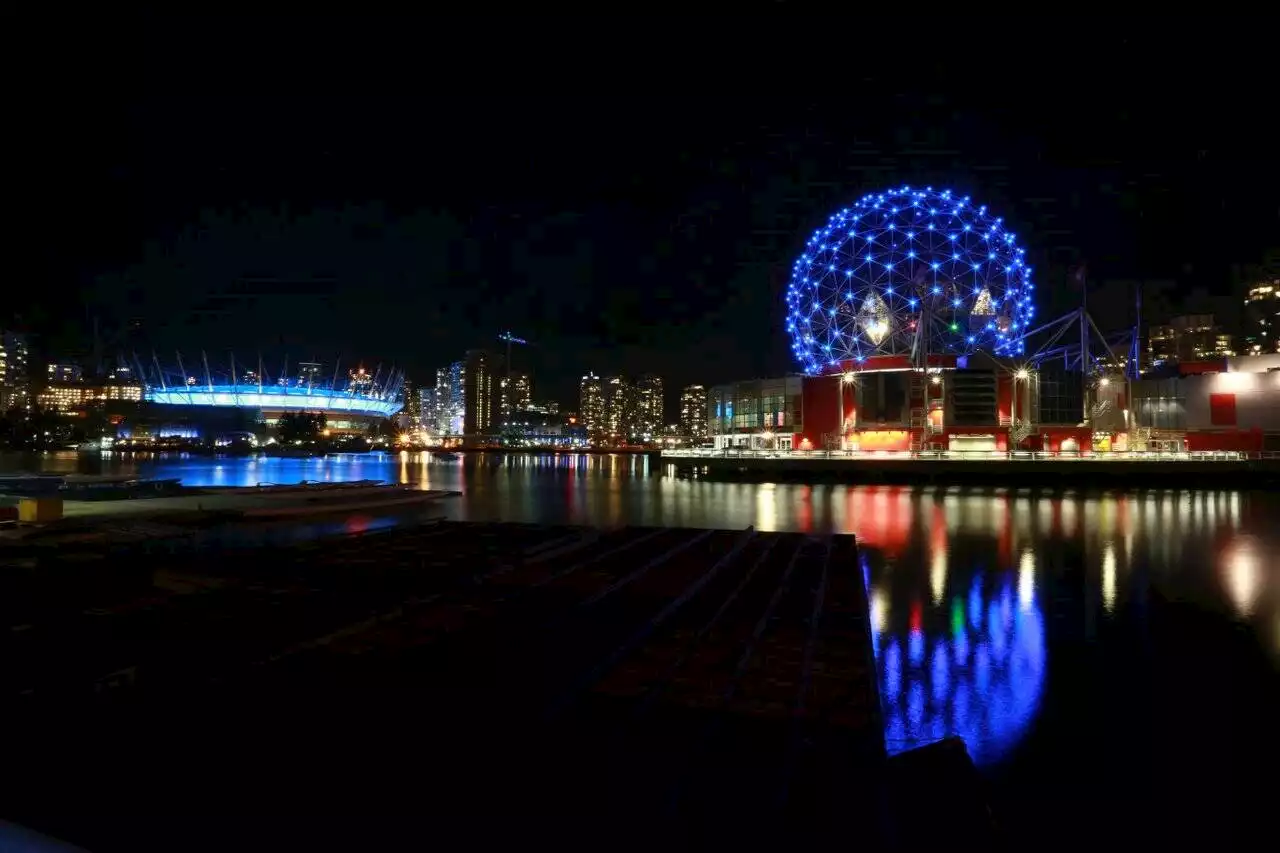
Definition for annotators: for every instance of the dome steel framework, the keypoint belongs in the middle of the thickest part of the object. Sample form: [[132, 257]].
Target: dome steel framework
[[908, 272]]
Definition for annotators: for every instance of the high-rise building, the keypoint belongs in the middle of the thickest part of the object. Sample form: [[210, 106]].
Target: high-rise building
[[1190, 337], [1262, 318], [693, 412], [649, 408], [450, 399], [15, 390], [620, 409], [479, 375], [64, 372], [411, 415], [515, 393], [427, 408], [591, 405]]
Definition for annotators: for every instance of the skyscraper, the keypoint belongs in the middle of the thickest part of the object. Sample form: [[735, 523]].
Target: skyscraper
[[450, 399], [515, 398], [478, 387], [620, 401], [427, 410], [591, 405], [693, 412], [649, 408], [412, 412], [15, 392]]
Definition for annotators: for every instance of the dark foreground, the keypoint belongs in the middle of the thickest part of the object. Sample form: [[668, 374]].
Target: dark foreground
[[458, 684]]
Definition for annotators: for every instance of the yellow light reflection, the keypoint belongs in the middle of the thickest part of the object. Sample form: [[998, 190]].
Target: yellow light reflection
[[938, 574], [1109, 577], [1243, 569], [766, 508], [1027, 579], [878, 609], [1068, 518]]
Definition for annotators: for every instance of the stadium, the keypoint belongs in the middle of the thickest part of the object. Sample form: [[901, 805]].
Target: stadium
[[200, 401]]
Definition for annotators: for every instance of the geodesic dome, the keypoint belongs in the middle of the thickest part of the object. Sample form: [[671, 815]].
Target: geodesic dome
[[906, 270]]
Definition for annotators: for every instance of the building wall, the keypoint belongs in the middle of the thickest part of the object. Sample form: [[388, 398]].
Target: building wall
[[1215, 401], [757, 406], [822, 398]]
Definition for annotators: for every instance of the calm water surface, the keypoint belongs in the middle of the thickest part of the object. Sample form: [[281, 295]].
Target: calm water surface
[[1113, 653]]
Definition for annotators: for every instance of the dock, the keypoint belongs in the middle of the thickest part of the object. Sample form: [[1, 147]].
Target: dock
[[715, 683]]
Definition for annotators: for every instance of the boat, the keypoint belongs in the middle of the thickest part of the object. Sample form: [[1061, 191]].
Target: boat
[[444, 454], [31, 484], [80, 487]]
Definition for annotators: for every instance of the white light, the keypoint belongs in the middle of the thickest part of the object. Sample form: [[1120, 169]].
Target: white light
[[1022, 374]]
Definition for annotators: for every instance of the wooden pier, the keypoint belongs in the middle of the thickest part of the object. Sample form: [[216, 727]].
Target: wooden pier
[[517, 681]]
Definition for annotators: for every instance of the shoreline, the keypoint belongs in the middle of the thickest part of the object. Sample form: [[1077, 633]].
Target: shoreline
[[994, 472]]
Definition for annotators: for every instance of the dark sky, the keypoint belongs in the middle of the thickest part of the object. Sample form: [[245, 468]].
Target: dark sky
[[627, 199]]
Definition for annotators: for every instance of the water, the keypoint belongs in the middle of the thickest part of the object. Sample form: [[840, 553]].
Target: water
[[1109, 659]]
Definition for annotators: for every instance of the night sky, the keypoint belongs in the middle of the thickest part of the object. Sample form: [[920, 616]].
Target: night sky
[[626, 199]]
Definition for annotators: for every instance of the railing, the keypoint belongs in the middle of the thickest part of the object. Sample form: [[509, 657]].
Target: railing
[[981, 455]]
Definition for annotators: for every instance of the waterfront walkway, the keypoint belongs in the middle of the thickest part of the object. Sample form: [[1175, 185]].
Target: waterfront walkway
[[1216, 469], [541, 682]]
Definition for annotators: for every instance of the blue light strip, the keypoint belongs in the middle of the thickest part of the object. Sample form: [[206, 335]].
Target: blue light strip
[[299, 399]]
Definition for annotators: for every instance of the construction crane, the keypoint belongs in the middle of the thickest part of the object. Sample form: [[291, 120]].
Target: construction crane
[[510, 339]]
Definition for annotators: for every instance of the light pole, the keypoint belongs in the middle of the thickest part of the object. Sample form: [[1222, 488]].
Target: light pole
[[844, 379]]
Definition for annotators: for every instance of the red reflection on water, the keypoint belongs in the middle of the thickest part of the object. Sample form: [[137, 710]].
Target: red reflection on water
[[917, 615], [879, 517], [357, 524], [804, 512], [1004, 532], [938, 528]]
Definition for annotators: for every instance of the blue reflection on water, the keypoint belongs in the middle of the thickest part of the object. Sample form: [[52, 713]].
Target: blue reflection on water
[[256, 470], [980, 677]]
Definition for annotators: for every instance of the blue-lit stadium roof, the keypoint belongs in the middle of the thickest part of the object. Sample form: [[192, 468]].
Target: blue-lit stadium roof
[[280, 397]]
